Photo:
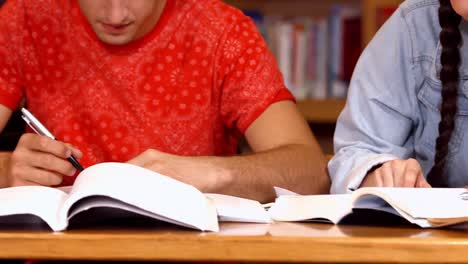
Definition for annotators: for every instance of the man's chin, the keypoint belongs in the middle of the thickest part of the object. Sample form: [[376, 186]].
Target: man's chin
[[114, 39]]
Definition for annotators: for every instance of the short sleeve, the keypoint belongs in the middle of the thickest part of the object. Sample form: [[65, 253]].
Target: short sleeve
[[249, 75], [12, 27]]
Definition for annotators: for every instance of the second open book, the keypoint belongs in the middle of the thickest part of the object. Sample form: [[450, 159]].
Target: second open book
[[127, 188], [425, 207]]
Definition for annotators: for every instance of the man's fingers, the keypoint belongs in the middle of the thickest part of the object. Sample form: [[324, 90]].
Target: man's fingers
[[45, 178], [23, 175], [44, 144], [20, 182], [51, 163], [39, 160], [75, 151]]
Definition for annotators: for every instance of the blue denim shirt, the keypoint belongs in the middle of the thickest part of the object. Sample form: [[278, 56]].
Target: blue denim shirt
[[392, 110]]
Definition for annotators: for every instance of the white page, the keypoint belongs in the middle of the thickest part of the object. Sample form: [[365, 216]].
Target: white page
[[281, 191], [377, 203], [43, 202], [307, 207], [146, 190], [423, 202], [236, 209]]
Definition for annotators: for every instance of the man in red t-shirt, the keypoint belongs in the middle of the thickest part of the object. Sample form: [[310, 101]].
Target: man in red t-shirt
[[169, 85]]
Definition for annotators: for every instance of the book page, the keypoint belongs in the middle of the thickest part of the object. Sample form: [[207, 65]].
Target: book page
[[236, 209], [375, 203], [66, 189], [311, 207], [370, 201], [281, 191], [146, 190], [422, 203], [43, 202], [108, 202]]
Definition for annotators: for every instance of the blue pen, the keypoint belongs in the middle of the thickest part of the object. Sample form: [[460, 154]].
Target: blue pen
[[40, 129]]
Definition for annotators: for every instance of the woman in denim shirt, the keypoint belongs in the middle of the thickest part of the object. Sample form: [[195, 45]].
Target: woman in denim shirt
[[407, 107]]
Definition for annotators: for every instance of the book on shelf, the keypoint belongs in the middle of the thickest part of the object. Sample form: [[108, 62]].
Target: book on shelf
[[121, 190], [424, 207], [315, 55], [345, 42], [378, 13]]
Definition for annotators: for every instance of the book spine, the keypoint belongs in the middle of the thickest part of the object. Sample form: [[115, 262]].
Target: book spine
[[316, 57]]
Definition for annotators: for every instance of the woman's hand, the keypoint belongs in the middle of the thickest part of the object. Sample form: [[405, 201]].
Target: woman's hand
[[397, 173]]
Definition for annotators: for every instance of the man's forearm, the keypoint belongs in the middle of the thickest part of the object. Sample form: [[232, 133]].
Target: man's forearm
[[4, 165], [299, 168]]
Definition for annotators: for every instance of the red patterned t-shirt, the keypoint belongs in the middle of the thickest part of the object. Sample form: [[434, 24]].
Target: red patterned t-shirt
[[191, 86]]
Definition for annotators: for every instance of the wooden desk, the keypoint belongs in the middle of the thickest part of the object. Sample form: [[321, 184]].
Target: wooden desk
[[280, 242]]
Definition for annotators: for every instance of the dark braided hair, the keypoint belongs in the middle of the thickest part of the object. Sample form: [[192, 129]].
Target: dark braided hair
[[450, 39]]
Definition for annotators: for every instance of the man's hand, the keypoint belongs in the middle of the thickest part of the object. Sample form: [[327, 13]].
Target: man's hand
[[39, 160], [200, 172], [397, 173]]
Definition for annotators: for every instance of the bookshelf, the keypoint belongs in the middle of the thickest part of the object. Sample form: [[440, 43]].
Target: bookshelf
[[322, 114], [321, 111], [311, 8], [374, 14]]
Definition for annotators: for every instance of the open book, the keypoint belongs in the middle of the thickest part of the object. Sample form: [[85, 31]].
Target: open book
[[428, 207], [120, 187]]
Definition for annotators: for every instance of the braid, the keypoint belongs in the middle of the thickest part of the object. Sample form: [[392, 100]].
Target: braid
[[450, 38]]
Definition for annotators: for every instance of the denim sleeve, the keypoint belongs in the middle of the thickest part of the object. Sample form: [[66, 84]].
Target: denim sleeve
[[381, 109]]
